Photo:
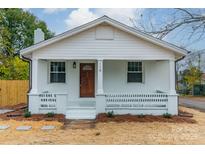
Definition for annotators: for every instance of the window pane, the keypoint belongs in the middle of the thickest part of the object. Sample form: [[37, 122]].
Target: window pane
[[57, 66], [134, 66], [140, 68], [61, 77], [129, 66], [62, 67], [139, 77], [57, 77], [54, 77], [52, 66], [134, 77]]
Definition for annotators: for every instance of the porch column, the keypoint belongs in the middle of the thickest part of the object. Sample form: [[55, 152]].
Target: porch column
[[100, 96], [100, 77], [172, 77], [34, 78], [172, 97]]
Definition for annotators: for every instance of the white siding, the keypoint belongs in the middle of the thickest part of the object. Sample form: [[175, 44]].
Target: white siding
[[115, 78], [156, 77], [44, 82], [71, 87], [85, 46], [104, 33]]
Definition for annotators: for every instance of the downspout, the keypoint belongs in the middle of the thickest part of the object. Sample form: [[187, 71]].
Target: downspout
[[30, 75], [176, 79], [176, 69]]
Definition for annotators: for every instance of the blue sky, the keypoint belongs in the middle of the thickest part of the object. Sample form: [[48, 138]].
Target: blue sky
[[60, 20], [55, 20]]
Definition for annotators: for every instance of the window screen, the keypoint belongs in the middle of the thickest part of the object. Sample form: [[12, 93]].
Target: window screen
[[134, 73], [57, 72]]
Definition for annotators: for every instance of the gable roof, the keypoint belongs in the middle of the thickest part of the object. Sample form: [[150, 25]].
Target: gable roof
[[112, 22]]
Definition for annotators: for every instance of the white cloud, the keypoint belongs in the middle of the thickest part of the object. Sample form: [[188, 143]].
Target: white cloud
[[53, 10], [122, 15], [26, 9], [81, 16]]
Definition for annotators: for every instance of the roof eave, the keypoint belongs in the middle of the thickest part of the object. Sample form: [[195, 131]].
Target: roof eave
[[63, 35], [150, 38]]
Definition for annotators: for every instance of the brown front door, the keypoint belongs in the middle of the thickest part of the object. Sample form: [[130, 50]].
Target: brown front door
[[87, 79]]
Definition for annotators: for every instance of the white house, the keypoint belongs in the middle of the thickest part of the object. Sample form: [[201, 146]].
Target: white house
[[102, 66]]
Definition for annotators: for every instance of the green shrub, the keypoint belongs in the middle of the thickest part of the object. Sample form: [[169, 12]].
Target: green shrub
[[110, 114], [141, 115], [167, 115], [27, 114], [50, 114]]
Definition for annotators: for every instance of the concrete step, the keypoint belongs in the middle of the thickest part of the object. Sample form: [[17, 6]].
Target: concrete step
[[81, 113]]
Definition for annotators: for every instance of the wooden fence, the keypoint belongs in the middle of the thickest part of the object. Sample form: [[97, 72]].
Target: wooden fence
[[13, 92]]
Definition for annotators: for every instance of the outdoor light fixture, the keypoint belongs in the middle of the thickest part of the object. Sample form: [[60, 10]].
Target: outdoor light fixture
[[74, 64]]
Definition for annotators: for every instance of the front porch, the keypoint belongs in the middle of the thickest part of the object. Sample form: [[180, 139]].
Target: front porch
[[108, 88]]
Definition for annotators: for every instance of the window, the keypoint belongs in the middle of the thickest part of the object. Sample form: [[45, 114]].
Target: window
[[134, 73], [57, 72]]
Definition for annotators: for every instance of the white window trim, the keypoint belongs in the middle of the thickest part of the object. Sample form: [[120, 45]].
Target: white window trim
[[49, 72], [143, 72]]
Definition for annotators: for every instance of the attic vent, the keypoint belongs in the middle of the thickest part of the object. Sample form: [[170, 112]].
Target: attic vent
[[104, 33]]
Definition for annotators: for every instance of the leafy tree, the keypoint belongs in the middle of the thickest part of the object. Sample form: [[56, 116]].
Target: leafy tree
[[192, 76], [16, 32], [14, 68]]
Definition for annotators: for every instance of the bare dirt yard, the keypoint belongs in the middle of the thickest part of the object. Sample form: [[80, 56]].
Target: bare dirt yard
[[109, 132]]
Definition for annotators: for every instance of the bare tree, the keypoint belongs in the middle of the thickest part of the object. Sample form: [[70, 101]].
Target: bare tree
[[187, 22], [182, 27]]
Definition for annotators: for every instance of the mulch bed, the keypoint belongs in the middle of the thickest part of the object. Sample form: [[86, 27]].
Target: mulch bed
[[34, 117], [146, 118], [18, 114]]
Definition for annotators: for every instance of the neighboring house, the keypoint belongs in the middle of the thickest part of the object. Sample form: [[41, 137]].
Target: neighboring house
[[99, 67]]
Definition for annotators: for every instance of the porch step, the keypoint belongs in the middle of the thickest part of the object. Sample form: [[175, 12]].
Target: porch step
[[81, 113]]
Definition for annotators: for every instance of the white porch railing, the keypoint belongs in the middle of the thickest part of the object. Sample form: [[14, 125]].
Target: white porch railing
[[137, 101]]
